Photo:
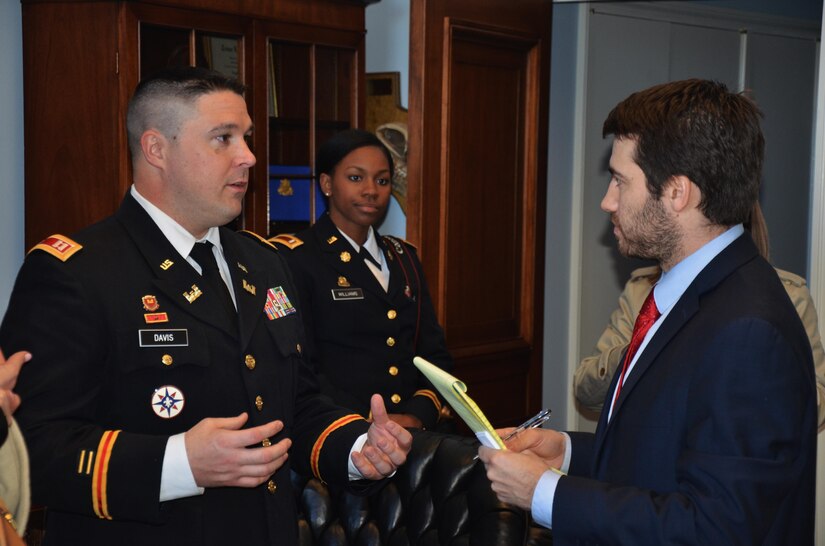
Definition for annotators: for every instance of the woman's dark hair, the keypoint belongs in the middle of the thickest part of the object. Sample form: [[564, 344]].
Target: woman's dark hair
[[336, 148], [697, 129]]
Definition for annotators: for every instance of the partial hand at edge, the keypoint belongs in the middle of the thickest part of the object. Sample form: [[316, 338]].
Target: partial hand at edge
[[387, 444], [9, 370], [218, 454]]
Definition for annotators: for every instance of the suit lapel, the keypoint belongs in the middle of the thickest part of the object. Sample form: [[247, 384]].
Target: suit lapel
[[726, 262]]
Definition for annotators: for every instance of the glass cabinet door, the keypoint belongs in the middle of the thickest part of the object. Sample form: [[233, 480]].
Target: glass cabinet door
[[311, 97], [164, 47]]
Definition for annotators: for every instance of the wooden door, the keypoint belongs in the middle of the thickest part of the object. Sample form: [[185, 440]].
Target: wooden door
[[479, 81]]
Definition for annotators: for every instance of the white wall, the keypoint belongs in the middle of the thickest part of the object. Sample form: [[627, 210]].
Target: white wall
[[388, 50], [11, 147]]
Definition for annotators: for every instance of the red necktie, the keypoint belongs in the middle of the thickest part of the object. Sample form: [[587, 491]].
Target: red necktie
[[647, 316]]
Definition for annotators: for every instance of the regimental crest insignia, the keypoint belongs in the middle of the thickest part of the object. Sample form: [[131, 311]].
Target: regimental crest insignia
[[343, 282], [150, 303]]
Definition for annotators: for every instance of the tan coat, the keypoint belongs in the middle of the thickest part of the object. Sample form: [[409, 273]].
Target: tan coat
[[14, 477], [592, 378]]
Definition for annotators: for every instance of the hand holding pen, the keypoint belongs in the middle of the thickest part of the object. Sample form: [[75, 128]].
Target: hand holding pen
[[534, 422]]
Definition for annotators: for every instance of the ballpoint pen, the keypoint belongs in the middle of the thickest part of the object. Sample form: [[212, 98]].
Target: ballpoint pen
[[534, 422]]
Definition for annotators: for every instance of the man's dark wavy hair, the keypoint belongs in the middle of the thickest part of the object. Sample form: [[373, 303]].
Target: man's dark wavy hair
[[698, 129]]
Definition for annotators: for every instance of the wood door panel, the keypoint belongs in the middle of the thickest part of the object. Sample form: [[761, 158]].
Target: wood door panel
[[498, 385], [476, 187], [482, 252], [60, 196]]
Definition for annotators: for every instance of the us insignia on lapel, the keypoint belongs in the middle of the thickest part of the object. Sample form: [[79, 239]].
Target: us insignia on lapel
[[167, 263], [277, 304]]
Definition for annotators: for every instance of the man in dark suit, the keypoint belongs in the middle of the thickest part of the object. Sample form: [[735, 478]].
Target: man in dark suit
[[708, 435], [167, 395]]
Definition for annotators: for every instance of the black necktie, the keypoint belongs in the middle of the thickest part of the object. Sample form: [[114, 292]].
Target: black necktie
[[202, 253], [367, 255]]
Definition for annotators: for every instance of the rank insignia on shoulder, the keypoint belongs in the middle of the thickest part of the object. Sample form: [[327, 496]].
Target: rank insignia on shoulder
[[255, 236], [59, 246], [290, 241]]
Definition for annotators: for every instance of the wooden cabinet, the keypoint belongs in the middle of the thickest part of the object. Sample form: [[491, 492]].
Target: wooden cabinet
[[302, 61]]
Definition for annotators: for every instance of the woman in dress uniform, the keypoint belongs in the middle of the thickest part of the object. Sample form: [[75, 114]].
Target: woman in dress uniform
[[369, 309]]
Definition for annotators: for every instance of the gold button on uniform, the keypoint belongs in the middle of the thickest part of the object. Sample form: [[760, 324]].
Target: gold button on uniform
[[395, 398], [249, 360], [393, 370], [390, 341], [259, 403], [391, 314], [266, 442], [271, 487], [167, 360]]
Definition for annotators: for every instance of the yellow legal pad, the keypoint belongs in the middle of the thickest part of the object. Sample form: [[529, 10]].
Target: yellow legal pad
[[454, 392]]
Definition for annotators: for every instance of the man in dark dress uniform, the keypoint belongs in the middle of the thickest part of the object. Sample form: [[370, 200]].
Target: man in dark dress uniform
[[167, 395]]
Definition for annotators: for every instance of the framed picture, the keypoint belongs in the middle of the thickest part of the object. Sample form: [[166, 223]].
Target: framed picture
[[221, 55]]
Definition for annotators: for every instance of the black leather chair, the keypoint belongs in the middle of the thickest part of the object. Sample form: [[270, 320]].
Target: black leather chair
[[440, 497]]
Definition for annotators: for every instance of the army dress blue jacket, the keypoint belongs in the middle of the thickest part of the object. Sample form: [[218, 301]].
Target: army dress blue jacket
[[130, 348]]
